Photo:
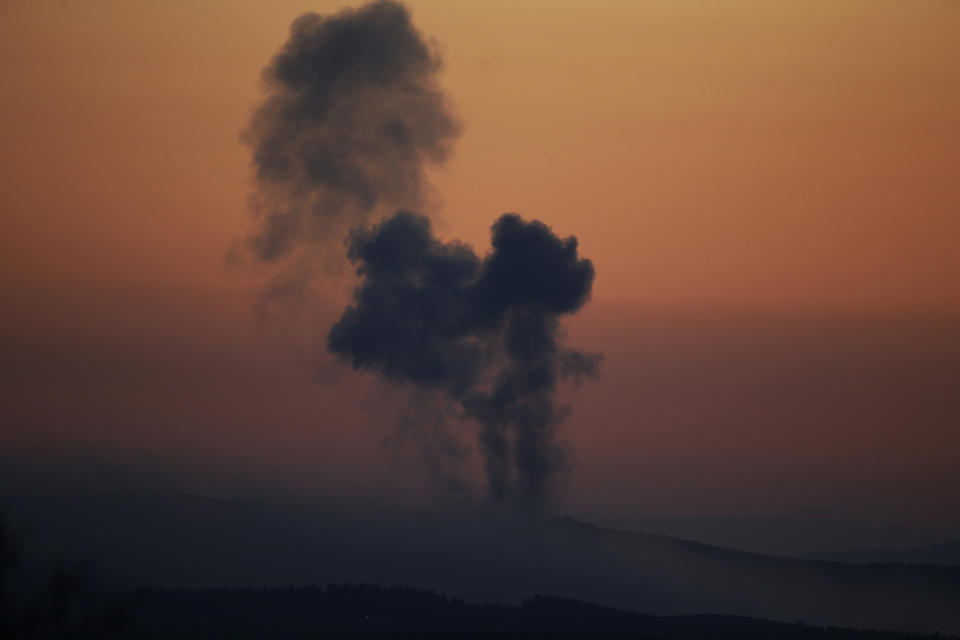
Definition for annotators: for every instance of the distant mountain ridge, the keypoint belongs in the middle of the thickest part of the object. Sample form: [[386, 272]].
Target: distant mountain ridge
[[794, 536], [944, 554], [172, 541]]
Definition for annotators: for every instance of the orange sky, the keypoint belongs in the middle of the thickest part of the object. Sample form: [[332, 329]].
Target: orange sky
[[789, 167]]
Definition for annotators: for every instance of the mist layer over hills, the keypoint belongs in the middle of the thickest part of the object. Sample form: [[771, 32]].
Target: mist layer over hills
[[780, 535], [942, 553]]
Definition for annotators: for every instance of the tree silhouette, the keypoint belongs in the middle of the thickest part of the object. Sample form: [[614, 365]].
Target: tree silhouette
[[63, 605]]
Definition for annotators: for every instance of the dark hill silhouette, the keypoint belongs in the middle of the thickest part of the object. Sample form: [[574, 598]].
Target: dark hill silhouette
[[372, 610], [65, 606], [481, 556]]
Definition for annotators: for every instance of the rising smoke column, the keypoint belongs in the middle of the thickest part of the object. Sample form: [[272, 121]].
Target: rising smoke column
[[483, 332], [351, 119]]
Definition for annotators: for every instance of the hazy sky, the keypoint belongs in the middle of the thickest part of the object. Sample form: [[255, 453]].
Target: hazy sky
[[769, 193]]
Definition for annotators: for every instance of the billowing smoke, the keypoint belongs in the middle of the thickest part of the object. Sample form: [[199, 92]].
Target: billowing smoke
[[483, 332], [351, 119]]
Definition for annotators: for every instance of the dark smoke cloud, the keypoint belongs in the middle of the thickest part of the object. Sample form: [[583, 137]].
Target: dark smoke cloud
[[352, 117], [484, 332]]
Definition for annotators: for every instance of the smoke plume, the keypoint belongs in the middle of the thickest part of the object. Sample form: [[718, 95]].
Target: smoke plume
[[483, 332], [351, 119]]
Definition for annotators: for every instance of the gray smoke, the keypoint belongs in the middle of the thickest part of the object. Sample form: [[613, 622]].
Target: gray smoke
[[352, 118]]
